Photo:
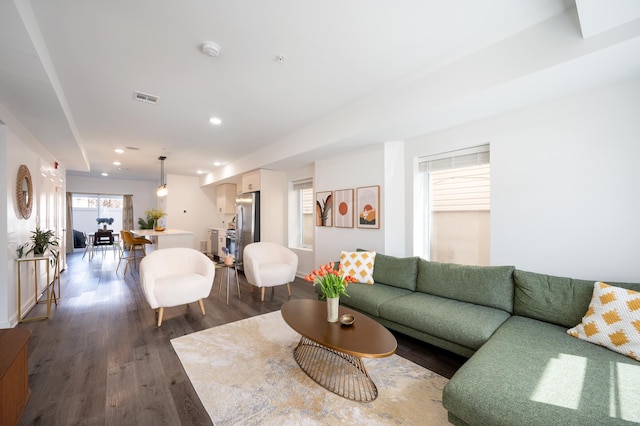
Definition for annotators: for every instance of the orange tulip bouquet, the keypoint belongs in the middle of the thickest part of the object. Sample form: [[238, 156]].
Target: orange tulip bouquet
[[333, 282]]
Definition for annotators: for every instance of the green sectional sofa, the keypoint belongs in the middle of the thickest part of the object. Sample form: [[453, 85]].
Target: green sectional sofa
[[523, 368]]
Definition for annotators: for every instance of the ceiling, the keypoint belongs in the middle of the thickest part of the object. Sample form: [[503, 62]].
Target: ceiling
[[69, 69]]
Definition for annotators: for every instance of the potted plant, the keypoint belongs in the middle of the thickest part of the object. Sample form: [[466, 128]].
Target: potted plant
[[104, 221], [41, 242], [155, 215], [333, 282]]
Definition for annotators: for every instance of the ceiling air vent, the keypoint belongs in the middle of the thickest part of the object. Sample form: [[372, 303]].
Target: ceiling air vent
[[145, 97]]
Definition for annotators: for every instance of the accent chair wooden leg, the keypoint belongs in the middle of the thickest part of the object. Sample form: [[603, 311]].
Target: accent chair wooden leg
[[289, 289], [201, 306], [160, 313], [262, 297]]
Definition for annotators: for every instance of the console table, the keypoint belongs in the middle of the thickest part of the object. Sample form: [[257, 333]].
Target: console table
[[51, 293], [14, 375]]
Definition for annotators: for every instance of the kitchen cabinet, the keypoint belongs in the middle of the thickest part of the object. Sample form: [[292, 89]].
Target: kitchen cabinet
[[226, 198], [251, 182]]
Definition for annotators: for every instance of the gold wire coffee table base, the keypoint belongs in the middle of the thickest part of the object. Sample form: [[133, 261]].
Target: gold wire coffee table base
[[341, 373]]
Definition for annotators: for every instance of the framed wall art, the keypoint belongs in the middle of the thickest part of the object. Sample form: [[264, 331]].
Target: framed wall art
[[343, 212], [324, 208], [368, 206]]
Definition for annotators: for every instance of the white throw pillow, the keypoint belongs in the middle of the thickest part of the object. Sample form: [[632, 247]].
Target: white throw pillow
[[358, 264], [612, 320]]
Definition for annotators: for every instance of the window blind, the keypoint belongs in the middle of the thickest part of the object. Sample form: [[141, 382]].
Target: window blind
[[458, 181]]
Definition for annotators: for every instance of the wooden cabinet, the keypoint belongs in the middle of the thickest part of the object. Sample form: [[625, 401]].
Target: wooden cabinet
[[251, 182], [226, 198], [14, 375]]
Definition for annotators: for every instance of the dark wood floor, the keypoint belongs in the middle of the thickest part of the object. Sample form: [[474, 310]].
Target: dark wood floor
[[100, 359]]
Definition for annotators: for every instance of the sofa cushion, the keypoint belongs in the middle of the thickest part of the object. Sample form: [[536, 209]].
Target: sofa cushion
[[368, 298], [467, 324], [400, 272], [531, 372], [557, 300], [358, 264], [483, 285], [612, 320]]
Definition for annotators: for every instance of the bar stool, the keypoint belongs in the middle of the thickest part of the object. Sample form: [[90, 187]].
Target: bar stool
[[130, 247]]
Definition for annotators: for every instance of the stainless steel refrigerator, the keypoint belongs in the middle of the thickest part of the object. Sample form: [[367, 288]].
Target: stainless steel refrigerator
[[247, 222]]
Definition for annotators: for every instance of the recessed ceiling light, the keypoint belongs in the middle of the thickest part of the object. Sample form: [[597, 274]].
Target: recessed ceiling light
[[116, 163], [104, 174], [215, 121], [217, 163], [119, 151], [200, 172]]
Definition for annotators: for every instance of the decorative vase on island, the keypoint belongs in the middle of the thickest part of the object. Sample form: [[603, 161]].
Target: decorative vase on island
[[332, 309]]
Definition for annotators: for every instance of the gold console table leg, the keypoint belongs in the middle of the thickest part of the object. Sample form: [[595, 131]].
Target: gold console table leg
[[49, 286], [339, 372]]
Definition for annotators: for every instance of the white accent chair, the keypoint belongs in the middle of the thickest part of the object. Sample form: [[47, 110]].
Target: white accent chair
[[268, 265], [176, 276]]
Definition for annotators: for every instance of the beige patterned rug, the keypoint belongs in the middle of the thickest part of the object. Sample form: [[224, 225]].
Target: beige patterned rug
[[245, 374]]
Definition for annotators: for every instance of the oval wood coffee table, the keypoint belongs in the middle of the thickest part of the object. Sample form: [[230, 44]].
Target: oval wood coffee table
[[330, 353]]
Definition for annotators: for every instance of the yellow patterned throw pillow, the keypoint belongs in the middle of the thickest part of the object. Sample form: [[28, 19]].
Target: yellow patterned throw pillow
[[358, 264], [612, 320]]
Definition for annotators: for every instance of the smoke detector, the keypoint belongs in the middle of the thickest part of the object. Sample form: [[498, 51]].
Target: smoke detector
[[210, 48]]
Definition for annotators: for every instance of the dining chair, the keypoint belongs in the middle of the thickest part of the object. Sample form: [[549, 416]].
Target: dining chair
[[103, 240], [88, 245]]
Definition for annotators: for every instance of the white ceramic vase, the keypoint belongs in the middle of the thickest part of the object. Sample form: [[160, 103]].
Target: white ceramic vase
[[332, 309]]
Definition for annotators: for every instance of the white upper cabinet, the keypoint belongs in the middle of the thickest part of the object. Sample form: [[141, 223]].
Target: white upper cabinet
[[251, 181], [226, 198]]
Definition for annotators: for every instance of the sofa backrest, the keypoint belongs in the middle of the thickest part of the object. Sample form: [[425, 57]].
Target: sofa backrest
[[557, 300], [491, 286], [398, 272]]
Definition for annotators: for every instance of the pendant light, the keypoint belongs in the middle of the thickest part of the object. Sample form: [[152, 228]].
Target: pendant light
[[162, 189]]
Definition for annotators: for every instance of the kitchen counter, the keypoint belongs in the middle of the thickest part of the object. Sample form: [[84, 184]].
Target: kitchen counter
[[167, 238]]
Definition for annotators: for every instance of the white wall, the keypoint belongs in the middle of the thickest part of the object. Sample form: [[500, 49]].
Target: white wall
[[15, 149], [144, 192], [362, 168], [564, 183], [191, 207]]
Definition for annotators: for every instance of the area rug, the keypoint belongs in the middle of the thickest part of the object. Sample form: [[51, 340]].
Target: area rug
[[245, 374]]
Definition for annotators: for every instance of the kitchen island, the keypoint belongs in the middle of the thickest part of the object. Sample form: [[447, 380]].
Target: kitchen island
[[167, 238]]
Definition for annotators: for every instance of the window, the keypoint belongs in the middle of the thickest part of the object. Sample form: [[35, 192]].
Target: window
[[455, 192], [301, 230], [88, 207]]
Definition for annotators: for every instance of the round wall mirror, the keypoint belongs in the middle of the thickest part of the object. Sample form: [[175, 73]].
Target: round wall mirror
[[24, 191]]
